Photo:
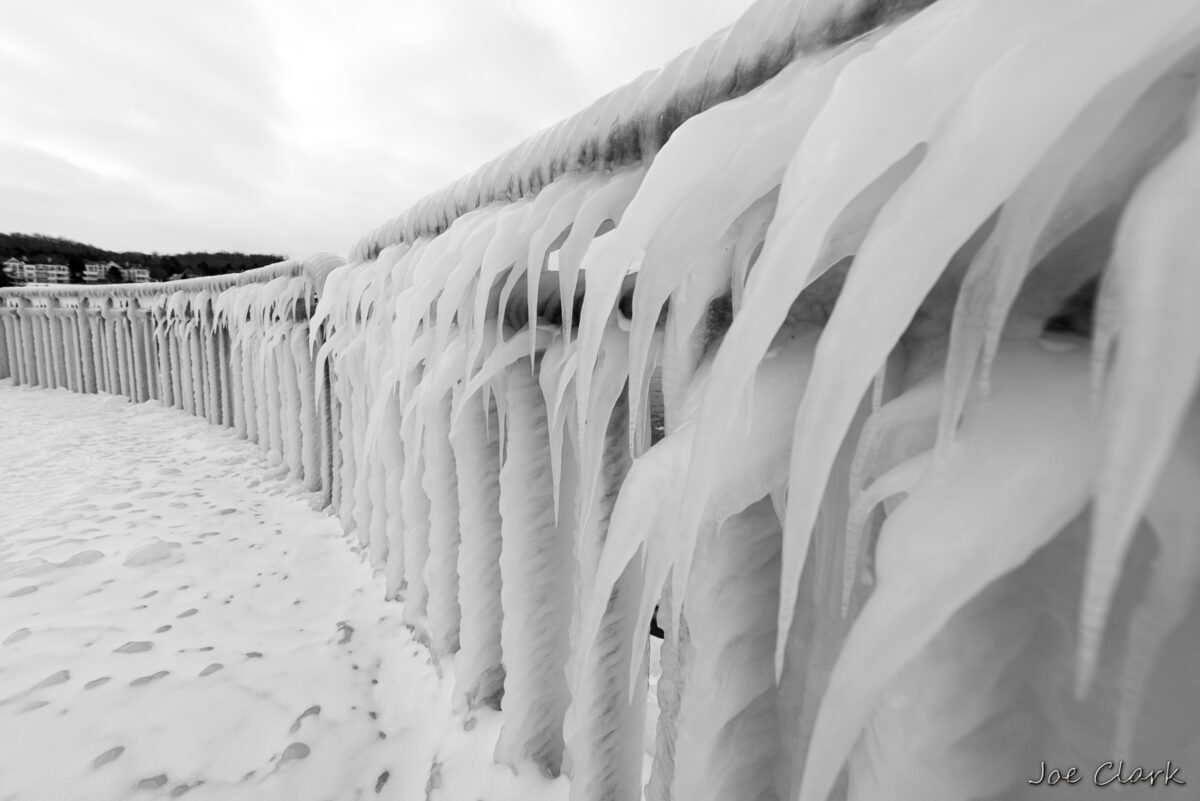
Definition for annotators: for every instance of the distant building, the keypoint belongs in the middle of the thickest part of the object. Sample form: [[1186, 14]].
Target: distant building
[[14, 269], [96, 272], [24, 273]]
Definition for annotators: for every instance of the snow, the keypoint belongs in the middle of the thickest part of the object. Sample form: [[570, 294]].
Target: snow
[[178, 619]]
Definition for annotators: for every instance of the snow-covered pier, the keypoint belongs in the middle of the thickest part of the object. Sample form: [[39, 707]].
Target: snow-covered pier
[[860, 341]]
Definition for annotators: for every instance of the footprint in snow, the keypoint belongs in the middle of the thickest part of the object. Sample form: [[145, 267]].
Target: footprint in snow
[[144, 680], [108, 756], [152, 783], [295, 751]]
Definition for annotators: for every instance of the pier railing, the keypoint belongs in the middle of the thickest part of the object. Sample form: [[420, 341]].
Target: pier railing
[[860, 342]]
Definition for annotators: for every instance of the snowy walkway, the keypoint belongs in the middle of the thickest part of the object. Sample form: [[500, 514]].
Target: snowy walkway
[[176, 621]]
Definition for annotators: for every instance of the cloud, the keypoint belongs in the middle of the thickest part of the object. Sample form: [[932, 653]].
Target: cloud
[[291, 126]]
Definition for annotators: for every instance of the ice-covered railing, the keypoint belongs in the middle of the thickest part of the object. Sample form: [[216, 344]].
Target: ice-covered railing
[[878, 377], [214, 347]]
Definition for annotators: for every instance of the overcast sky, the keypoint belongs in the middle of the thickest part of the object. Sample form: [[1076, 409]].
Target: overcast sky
[[289, 126]]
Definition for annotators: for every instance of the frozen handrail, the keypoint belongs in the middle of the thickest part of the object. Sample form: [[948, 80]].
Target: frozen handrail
[[630, 124]]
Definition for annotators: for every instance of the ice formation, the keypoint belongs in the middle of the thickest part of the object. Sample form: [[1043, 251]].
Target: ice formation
[[859, 340]]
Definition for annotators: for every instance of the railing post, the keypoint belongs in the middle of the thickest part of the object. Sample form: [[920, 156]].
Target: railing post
[[65, 316], [392, 448], [87, 363], [137, 373], [195, 349], [310, 434], [187, 373], [603, 729], [71, 341], [141, 352], [346, 463], [535, 567], [740, 571], [237, 387], [225, 373], [212, 387], [440, 480], [8, 362], [250, 389], [478, 667], [124, 360], [41, 333], [23, 345], [111, 351], [334, 438], [166, 385], [181, 375], [25, 316], [274, 406], [58, 362], [291, 429], [99, 327]]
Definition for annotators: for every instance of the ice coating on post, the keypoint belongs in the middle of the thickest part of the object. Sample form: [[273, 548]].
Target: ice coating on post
[[535, 569], [606, 719], [441, 573], [478, 668]]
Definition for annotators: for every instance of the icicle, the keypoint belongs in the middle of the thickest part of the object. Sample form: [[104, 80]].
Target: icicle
[[824, 178], [684, 340], [917, 405], [501, 253], [610, 378], [1171, 588], [956, 705], [604, 205], [1104, 334], [896, 481], [682, 209], [557, 210], [502, 356], [894, 270], [1042, 211], [554, 377], [1154, 377], [751, 235], [454, 301], [981, 517], [751, 468]]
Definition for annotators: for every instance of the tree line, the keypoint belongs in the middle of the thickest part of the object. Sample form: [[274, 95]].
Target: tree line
[[39, 249]]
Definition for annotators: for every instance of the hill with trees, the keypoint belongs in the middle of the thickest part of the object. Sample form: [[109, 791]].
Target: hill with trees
[[39, 249]]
